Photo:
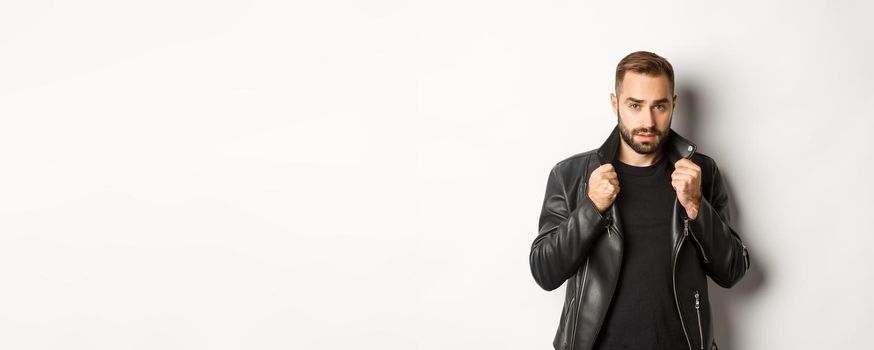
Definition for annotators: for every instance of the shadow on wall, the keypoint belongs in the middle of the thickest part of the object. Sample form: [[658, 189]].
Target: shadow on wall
[[689, 117]]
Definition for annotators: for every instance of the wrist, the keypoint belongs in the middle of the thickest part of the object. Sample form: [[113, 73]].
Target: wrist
[[692, 213]]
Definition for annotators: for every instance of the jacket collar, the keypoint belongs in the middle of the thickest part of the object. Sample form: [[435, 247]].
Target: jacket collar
[[675, 147]]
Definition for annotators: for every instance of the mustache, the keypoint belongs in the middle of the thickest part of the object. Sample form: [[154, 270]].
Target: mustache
[[653, 131]]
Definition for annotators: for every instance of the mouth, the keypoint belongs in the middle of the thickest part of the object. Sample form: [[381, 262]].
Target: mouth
[[646, 136]]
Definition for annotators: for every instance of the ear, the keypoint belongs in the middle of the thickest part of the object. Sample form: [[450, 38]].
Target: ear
[[614, 102], [675, 102]]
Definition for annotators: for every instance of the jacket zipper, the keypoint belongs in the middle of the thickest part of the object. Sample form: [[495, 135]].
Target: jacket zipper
[[698, 312], [674, 279]]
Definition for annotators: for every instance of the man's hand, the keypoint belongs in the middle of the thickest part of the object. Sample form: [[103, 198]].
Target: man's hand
[[603, 186], [686, 181]]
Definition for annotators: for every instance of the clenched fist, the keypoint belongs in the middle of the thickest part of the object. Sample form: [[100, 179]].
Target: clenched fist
[[603, 186], [686, 181]]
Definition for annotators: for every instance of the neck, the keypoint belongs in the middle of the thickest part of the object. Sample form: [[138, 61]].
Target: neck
[[630, 157]]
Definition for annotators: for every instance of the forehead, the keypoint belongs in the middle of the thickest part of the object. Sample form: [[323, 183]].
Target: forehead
[[645, 87]]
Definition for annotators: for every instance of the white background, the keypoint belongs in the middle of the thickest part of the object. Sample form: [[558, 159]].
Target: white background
[[369, 174]]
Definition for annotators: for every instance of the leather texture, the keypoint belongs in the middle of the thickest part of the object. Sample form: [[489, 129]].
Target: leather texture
[[582, 248]]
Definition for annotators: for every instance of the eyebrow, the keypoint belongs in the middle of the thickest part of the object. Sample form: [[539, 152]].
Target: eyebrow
[[661, 100]]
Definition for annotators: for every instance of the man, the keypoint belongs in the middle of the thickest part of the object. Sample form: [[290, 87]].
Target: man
[[635, 226]]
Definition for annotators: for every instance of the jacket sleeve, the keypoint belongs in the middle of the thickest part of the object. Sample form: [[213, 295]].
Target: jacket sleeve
[[725, 256], [565, 238]]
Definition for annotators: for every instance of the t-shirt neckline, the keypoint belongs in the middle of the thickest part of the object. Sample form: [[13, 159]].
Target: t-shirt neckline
[[648, 170]]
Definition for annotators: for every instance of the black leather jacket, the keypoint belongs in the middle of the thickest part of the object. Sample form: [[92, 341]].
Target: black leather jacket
[[582, 246]]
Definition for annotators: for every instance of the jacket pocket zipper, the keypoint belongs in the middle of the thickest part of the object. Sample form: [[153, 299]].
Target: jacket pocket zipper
[[698, 312]]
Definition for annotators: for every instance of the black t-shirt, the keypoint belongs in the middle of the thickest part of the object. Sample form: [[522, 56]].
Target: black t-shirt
[[642, 314]]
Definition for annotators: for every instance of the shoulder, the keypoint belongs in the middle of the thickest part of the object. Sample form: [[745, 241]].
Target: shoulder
[[577, 159], [571, 169]]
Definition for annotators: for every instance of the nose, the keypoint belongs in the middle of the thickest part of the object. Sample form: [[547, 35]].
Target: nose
[[648, 118]]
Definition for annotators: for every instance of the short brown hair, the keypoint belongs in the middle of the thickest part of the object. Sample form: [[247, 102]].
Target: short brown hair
[[644, 62]]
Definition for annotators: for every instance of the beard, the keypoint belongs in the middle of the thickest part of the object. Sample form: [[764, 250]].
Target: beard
[[643, 147]]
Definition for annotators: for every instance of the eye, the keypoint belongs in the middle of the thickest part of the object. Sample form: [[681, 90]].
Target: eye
[[660, 107], [635, 105]]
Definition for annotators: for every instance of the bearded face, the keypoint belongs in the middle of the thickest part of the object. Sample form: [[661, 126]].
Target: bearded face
[[644, 107], [643, 140]]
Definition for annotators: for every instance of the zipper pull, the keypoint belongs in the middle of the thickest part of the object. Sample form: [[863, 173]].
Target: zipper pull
[[698, 313], [685, 226]]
